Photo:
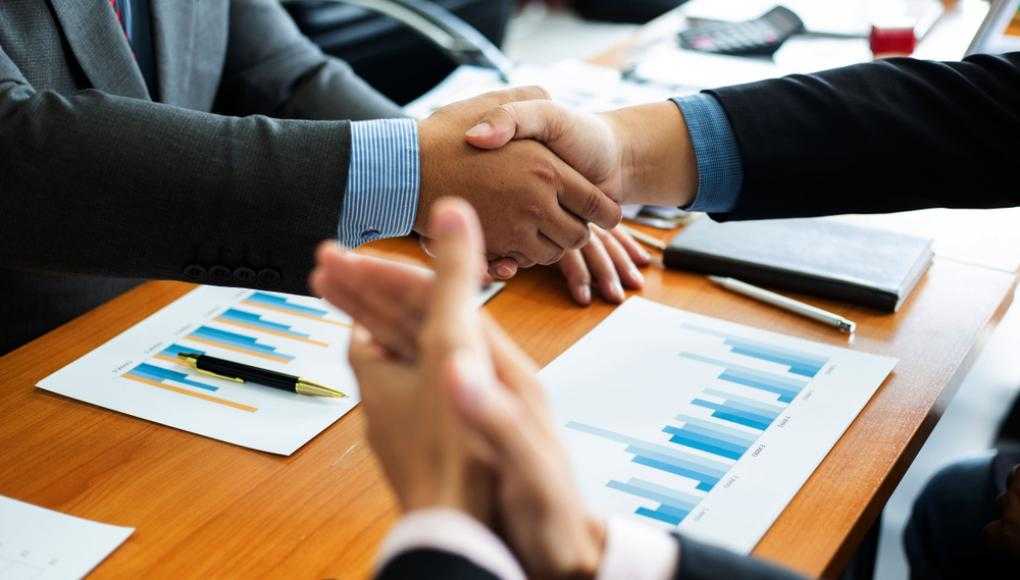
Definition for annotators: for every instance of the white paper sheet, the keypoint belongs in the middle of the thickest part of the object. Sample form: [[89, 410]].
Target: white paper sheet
[[37, 543], [680, 420], [137, 373]]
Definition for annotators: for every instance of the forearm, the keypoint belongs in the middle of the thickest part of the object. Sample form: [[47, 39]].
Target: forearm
[[104, 185], [885, 136], [658, 160]]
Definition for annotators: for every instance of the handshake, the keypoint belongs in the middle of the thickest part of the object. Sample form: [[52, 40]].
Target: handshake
[[539, 175]]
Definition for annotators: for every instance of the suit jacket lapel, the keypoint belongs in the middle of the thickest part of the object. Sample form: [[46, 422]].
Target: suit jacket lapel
[[174, 31], [99, 44]]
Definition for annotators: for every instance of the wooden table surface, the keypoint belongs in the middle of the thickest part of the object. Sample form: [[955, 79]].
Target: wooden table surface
[[206, 508]]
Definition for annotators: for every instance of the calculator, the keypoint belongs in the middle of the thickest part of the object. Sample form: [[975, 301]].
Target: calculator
[[761, 36]]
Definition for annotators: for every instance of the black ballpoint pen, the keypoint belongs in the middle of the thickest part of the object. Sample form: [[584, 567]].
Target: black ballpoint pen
[[242, 373]]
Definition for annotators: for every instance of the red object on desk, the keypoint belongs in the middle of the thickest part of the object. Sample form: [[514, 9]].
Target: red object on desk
[[890, 41]]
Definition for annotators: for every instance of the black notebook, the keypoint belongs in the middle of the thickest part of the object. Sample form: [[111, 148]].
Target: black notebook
[[866, 266]]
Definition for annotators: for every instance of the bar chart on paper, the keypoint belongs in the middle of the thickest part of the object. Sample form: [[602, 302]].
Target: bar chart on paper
[[702, 424], [140, 373]]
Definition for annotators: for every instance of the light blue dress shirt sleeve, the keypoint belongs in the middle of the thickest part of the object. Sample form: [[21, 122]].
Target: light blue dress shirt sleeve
[[720, 171], [382, 181]]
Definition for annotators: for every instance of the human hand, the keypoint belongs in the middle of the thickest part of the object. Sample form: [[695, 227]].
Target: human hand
[[541, 512], [610, 259], [638, 154], [1003, 534], [411, 427], [540, 509], [533, 206]]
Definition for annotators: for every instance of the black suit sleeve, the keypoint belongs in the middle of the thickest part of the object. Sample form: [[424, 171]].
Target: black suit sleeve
[[697, 561], [886, 136], [428, 564], [703, 562]]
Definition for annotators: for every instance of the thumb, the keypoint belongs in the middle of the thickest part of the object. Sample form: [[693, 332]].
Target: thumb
[[541, 120]]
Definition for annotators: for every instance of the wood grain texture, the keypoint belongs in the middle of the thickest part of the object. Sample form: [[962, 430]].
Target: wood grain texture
[[206, 508]]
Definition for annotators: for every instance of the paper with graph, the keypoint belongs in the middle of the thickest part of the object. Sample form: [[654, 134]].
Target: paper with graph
[[138, 372], [680, 420], [37, 543]]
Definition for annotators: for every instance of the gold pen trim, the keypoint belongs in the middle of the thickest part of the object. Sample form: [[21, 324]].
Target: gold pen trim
[[307, 387]]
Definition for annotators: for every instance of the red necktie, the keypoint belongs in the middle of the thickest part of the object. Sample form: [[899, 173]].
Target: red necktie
[[116, 10]]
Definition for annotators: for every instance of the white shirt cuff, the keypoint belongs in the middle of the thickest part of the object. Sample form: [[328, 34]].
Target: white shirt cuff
[[638, 552], [454, 532], [383, 181]]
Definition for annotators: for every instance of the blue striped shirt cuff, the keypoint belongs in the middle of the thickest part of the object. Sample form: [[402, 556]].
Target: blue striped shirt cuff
[[382, 182], [720, 171]]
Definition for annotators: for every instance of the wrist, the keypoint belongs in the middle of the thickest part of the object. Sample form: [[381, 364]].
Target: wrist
[[587, 551], [657, 159]]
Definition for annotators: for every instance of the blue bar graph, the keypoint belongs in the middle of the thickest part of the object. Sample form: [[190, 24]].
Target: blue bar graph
[[252, 319], [800, 363], [706, 471], [171, 352], [160, 374], [281, 302], [691, 437], [237, 342], [673, 505], [736, 413], [786, 387]]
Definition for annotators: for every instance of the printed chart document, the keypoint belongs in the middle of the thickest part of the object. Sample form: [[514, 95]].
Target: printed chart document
[[138, 372], [680, 420], [37, 543]]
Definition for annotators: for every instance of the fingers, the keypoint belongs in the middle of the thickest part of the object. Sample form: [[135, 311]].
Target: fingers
[[637, 254], [622, 262], [542, 120], [575, 271], [392, 311], [453, 328], [585, 200], [563, 229], [503, 268], [601, 266]]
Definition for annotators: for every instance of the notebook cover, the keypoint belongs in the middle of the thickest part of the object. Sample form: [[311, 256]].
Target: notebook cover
[[866, 266]]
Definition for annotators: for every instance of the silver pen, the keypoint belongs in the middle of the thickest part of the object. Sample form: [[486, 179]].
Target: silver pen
[[778, 300]]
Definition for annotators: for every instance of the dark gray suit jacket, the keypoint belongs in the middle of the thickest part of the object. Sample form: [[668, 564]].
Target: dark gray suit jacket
[[231, 175]]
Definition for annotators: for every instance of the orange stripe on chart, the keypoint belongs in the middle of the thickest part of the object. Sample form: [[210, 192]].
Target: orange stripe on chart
[[272, 331], [293, 313], [266, 356], [190, 393]]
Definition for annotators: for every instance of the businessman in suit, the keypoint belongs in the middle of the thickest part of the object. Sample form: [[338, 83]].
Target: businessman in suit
[[887, 136], [209, 141]]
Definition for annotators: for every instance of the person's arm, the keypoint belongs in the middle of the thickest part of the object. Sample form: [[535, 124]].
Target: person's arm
[[95, 183], [886, 136], [272, 69]]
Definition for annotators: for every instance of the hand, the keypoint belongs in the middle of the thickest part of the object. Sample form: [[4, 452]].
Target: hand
[[635, 155], [411, 427], [1003, 535], [533, 206], [610, 260], [541, 511]]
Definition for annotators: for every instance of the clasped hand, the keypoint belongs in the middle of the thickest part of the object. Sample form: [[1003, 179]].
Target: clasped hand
[[455, 411], [554, 202]]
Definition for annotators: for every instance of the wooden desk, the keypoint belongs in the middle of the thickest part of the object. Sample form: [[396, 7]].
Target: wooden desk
[[206, 508]]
